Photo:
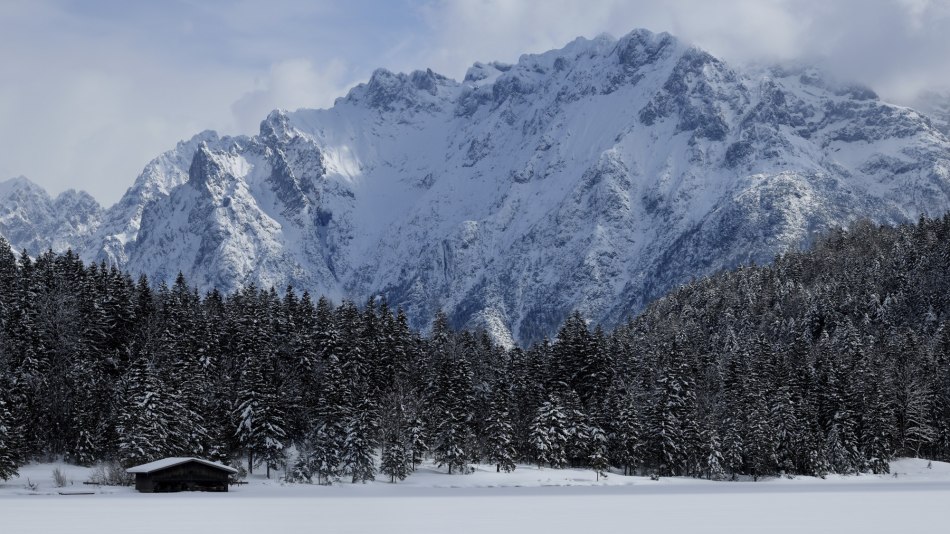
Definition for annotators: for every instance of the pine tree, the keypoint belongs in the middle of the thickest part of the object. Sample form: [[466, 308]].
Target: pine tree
[[713, 464], [527, 393], [628, 437], [259, 418], [306, 466], [260, 430], [451, 440], [573, 357], [549, 435], [395, 460], [910, 396], [499, 435], [417, 440], [941, 388], [451, 400], [185, 353], [359, 445], [672, 421], [27, 359], [733, 445], [598, 460], [319, 457], [248, 414], [275, 435], [578, 429], [219, 366], [10, 446], [760, 445], [325, 443], [143, 424]]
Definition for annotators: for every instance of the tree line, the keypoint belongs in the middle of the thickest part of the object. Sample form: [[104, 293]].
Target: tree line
[[832, 360]]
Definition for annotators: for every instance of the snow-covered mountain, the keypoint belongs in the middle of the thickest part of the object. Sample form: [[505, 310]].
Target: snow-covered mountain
[[30, 219], [121, 223], [594, 177]]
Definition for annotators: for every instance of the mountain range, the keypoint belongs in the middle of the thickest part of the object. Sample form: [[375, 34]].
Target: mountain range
[[595, 178]]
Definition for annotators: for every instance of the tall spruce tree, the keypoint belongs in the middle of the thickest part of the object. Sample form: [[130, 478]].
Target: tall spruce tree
[[451, 400], [628, 442], [500, 448], [597, 458], [359, 445], [144, 417], [11, 449], [549, 434], [396, 457]]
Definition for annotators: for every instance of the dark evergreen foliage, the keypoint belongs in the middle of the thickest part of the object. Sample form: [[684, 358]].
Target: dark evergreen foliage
[[832, 360]]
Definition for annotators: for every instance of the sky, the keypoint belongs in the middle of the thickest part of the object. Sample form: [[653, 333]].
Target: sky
[[90, 90]]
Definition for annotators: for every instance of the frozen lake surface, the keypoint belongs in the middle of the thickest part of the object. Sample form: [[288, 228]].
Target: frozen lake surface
[[529, 500]]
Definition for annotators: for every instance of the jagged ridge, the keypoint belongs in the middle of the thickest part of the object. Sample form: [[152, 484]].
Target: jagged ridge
[[594, 177]]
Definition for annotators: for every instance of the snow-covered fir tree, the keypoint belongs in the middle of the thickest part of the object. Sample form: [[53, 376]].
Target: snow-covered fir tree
[[598, 454], [10, 446], [360, 442], [144, 417], [829, 360], [500, 447], [628, 442], [395, 461], [451, 399], [549, 434]]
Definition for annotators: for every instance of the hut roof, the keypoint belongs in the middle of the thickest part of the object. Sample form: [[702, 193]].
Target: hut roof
[[169, 462]]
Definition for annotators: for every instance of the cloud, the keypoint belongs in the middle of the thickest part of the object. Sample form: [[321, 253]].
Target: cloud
[[291, 84], [90, 91], [69, 123], [87, 99], [467, 31], [897, 46]]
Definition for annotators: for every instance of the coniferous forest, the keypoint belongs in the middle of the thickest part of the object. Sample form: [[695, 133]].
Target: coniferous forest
[[833, 360]]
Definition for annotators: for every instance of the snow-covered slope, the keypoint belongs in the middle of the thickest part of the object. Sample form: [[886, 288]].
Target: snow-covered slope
[[33, 221], [594, 177], [121, 222]]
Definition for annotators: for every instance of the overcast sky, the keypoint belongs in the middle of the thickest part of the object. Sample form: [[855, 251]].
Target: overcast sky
[[92, 90]]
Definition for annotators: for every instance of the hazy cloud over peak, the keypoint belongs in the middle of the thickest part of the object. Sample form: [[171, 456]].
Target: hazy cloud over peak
[[91, 90]]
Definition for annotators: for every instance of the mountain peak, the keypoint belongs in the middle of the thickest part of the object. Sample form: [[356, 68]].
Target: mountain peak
[[205, 167], [485, 72], [276, 127], [70, 198], [20, 184], [593, 177], [31, 220], [642, 47], [416, 91], [17, 180], [634, 49], [816, 76]]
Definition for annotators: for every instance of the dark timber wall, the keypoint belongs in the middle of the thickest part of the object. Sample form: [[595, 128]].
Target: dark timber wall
[[188, 476]]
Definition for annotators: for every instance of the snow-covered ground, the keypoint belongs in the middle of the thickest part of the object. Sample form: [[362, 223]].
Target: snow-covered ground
[[916, 499]]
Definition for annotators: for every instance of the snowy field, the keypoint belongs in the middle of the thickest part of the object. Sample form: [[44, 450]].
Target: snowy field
[[528, 500]]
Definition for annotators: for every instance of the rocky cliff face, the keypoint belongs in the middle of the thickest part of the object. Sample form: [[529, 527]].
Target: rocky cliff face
[[31, 220], [120, 224], [594, 177]]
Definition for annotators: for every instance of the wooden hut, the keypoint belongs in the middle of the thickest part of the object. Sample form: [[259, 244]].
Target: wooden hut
[[181, 474]]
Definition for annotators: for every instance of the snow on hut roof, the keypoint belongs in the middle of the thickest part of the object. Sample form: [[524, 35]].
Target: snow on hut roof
[[169, 462]]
